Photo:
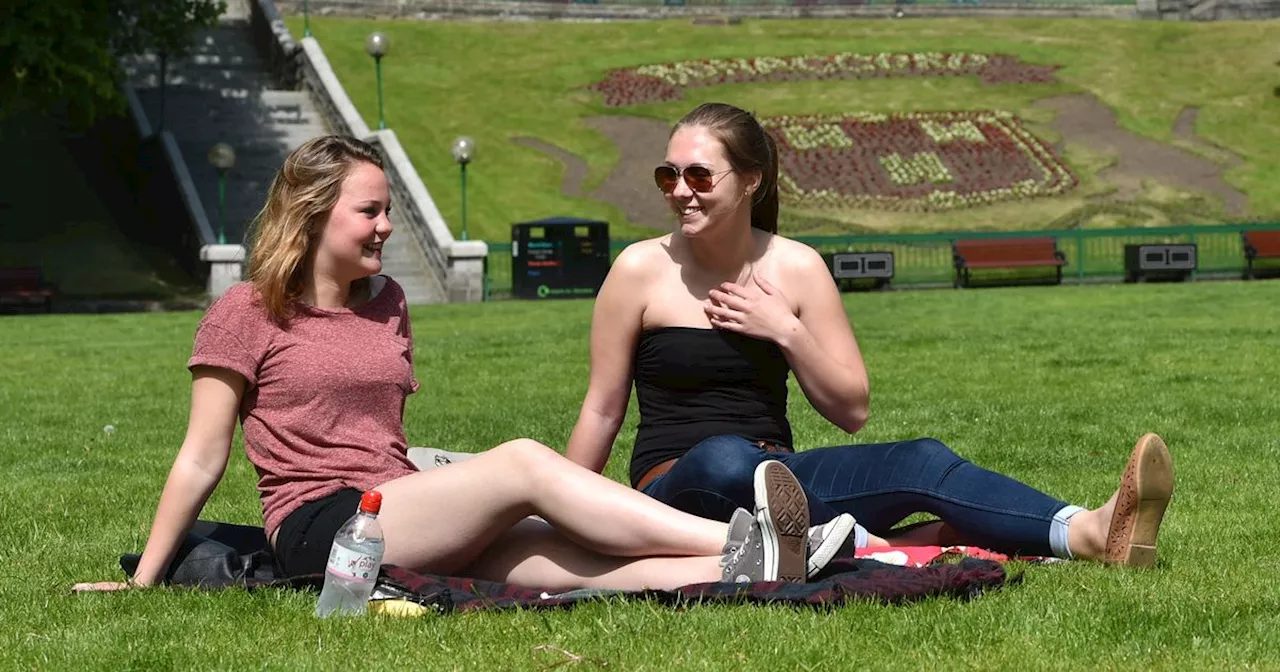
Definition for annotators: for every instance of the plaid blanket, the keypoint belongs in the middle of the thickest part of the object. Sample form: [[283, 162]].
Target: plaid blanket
[[848, 581], [221, 555]]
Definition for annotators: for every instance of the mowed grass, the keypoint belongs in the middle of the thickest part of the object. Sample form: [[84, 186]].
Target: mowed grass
[[1051, 385], [496, 81]]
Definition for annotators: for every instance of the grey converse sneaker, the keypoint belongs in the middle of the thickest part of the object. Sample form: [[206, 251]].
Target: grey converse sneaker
[[739, 529], [832, 539], [743, 553], [771, 545], [826, 541], [782, 513]]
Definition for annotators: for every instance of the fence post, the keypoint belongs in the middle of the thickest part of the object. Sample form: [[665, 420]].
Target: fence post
[[1193, 242], [1080, 254]]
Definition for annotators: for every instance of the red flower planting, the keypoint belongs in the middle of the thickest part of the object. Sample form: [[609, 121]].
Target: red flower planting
[[662, 82], [923, 161]]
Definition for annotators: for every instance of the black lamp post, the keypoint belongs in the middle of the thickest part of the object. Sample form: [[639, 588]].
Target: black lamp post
[[463, 151], [222, 157], [377, 45]]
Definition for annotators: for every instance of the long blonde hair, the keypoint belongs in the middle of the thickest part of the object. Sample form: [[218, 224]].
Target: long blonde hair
[[299, 201]]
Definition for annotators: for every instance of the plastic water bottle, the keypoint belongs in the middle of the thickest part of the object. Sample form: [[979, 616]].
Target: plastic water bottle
[[354, 561]]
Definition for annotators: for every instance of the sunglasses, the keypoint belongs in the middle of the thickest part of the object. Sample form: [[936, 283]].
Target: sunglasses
[[697, 177]]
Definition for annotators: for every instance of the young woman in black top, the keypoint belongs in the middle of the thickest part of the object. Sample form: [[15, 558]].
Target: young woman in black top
[[708, 320]]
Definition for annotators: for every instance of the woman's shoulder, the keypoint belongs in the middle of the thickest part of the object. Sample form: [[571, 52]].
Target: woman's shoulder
[[795, 256], [240, 301], [643, 256], [387, 292]]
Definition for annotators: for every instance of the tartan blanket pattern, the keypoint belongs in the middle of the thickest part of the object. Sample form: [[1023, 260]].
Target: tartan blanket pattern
[[847, 580]]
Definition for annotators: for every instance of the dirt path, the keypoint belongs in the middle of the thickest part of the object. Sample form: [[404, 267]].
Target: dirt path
[[1085, 120], [642, 144], [1081, 119]]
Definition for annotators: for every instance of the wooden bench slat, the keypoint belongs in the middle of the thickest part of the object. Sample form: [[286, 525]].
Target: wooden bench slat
[[988, 253], [1264, 243], [1015, 263], [1259, 245]]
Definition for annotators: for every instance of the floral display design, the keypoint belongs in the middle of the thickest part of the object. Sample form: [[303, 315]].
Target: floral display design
[[920, 161], [665, 81]]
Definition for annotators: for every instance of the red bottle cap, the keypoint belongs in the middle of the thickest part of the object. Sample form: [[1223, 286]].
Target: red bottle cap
[[371, 502]]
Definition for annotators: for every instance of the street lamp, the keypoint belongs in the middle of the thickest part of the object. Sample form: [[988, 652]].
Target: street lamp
[[222, 157], [463, 150], [306, 20], [377, 44]]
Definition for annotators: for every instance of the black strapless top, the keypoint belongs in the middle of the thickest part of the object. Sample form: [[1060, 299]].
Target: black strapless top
[[694, 383]]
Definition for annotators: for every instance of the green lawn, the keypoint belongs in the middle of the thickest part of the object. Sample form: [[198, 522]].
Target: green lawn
[[1051, 385], [500, 80]]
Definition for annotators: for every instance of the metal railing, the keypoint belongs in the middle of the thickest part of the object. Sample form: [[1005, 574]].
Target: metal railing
[[925, 259]]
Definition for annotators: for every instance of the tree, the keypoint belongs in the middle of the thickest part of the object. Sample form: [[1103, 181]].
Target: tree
[[62, 56]]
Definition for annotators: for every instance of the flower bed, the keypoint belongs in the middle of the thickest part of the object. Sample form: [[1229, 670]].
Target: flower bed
[[920, 161], [663, 82]]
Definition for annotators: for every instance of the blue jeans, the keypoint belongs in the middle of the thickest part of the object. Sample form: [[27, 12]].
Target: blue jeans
[[880, 484]]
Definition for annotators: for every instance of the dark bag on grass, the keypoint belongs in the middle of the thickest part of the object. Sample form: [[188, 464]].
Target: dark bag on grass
[[215, 555]]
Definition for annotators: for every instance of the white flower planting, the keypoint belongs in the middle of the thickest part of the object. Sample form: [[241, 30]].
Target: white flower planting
[[960, 130], [819, 135], [916, 161], [922, 167], [706, 71]]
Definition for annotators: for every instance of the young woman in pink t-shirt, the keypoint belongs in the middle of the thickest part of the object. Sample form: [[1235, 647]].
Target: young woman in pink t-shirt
[[314, 357]]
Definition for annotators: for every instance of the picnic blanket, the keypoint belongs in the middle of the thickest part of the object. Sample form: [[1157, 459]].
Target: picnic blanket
[[221, 555], [403, 592]]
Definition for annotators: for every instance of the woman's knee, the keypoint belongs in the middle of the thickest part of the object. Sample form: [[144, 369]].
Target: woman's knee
[[526, 454], [932, 456]]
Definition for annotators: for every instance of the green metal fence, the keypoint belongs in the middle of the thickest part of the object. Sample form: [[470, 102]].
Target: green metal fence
[[924, 259]]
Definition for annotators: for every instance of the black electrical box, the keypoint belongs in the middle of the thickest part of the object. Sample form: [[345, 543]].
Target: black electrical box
[[1159, 262], [559, 258]]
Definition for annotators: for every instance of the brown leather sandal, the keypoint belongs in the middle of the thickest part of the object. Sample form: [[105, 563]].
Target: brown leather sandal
[[1145, 490]]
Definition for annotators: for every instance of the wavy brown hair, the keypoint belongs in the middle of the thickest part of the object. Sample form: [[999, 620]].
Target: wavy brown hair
[[749, 148], [299, 201]]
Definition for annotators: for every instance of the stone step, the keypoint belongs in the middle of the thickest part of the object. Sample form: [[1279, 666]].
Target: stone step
[[233, 60], [223, 92]]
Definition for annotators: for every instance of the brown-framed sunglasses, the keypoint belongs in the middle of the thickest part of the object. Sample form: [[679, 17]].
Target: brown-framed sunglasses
[[697, 177]]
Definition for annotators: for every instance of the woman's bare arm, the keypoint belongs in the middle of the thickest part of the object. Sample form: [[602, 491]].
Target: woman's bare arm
[[615, 330], [196, 471]]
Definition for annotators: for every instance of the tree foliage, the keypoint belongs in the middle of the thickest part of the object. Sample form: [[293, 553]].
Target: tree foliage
[[62, 56]]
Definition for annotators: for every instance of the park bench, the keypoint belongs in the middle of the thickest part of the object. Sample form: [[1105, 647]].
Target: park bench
[[1259, 245], [1006, 253], [23, 288]]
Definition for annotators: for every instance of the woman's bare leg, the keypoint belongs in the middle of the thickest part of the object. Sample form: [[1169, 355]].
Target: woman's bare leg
[[440, 520], [532, 553]]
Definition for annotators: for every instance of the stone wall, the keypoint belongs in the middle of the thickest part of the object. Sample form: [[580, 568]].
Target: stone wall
[[508, 10], [1216, 10]]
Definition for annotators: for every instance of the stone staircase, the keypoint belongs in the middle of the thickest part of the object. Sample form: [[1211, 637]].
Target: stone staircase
[[223, 92]]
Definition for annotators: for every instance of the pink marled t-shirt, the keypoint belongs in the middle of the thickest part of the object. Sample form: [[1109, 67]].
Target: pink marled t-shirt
[[324, 405]]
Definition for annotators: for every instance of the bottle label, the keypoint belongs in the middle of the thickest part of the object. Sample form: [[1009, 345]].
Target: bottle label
[[352, 565]]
